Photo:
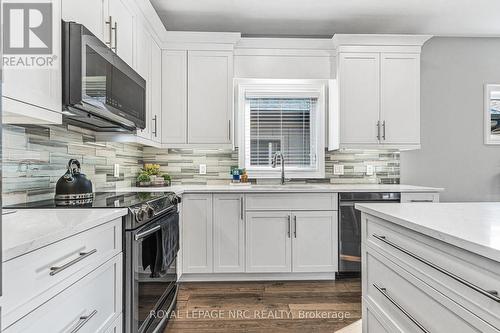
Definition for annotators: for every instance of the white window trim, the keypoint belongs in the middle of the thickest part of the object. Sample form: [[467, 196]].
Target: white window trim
[[277, 87]]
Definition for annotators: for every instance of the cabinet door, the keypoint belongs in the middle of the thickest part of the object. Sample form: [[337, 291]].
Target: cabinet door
[[400, 98], [36, 88], [197, 233], [314, 241], [174, 97], [210, 75], [155, 86], [143, 67], [90, 13], [359, 87], [123, 36], [229, 233], [268, 242]]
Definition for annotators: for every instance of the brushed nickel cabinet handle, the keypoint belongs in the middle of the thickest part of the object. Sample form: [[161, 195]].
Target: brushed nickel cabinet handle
[[383, 291], [229, 130], [110, 36], [383, 130], [58, 269], [115, 28], [289, 226], [241, 208], [155, 121], [491, 294], [295, 226], [83, 321], [378, 130]]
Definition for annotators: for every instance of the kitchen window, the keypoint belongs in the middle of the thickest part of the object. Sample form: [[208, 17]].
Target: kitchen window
[[285, 116]]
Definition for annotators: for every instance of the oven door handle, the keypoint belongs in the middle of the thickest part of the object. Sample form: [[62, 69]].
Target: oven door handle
[[148, 232]]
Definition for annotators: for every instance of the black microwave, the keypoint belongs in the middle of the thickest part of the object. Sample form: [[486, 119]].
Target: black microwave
[[101, 92]]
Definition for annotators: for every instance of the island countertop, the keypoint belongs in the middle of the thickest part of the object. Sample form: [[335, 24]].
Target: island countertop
[[25, 230], [473, 226]]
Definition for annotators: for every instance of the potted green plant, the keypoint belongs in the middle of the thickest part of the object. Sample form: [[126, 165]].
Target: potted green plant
[[167, 179], [144, 179]]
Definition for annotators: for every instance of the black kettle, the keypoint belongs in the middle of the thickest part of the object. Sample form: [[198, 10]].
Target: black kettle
[[73, 185]]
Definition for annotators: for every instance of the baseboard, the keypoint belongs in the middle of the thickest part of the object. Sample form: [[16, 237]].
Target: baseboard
[[213, 277]]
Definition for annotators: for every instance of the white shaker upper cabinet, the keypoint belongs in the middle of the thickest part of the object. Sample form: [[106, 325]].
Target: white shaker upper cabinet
[[90, 13], [174, 97], [210, 84], [400, 98], [359, 84], [142, 66], [155, 78], [34, 96], [122, 34], [229, 233]]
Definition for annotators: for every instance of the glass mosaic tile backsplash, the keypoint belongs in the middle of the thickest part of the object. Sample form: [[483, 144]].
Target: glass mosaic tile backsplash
[[34, 157]]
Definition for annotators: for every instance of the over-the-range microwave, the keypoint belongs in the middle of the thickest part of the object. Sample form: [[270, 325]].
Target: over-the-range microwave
[[100, 91]]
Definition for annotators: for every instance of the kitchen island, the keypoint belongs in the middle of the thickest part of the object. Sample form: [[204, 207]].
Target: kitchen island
[[431, 267]]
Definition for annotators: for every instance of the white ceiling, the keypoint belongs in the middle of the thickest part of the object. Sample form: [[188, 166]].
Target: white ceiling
[[326, 17]]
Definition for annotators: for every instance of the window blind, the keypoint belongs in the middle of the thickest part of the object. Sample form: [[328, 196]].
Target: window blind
[[281, 124]]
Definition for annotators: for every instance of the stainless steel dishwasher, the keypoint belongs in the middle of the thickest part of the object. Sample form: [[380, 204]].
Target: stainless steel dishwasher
[[350, 228]]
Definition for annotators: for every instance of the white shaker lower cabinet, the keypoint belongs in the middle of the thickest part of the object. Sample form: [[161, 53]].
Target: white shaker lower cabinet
[[268, 242], [258, 236], [448, 285], [72, 284], [314, 242], [197, 244], [90, 305], [229, 233], [299, 242]]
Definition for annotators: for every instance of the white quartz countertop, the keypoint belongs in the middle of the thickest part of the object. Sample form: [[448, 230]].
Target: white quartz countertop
[[25, 230], [311, 188], [474, 227]]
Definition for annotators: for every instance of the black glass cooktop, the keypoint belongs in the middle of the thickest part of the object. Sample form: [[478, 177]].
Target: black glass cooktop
[[100, 200]]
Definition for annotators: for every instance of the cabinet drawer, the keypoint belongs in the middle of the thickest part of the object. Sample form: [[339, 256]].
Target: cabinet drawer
[[292, 201], [411, 304], [419, 197], [90, 305], [29, 280], [465, 278]]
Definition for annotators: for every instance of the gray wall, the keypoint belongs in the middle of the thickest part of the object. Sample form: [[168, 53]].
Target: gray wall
[[453, 156]]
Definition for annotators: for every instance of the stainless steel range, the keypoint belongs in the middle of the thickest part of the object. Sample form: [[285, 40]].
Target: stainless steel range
[[151, 246]]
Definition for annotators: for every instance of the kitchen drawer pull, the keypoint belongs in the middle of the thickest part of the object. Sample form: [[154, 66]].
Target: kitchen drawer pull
[[491, 294], [58, 269], [383, 130], [378, 130], [421, 200], [147, 232], [83, 321], [383, 291]]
